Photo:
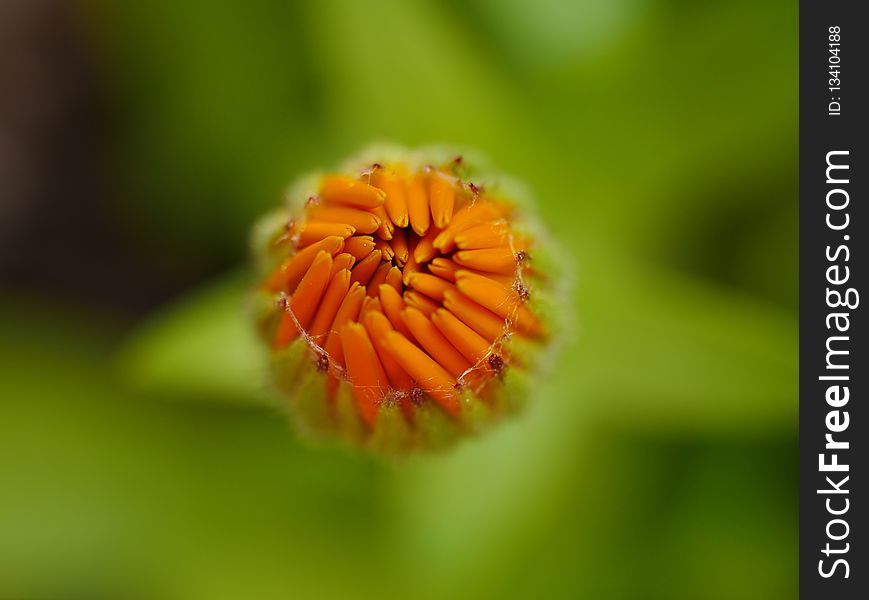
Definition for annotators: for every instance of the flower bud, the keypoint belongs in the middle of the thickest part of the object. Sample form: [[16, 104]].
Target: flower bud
[[407, 299]]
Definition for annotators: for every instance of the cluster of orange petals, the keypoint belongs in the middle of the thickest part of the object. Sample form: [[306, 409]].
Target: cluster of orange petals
[[403, 284]]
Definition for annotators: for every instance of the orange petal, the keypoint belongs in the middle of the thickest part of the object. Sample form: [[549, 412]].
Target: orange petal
[[410, 266], [385, 249], [289, 274], [364, 371], [314, 231], [393, 304], [417, 204], [396, 200], [485, 235], [434, 342], [393, 278], [359, 246], [378, 278], [425, 250], [341, 262], [338, 189], [430, 285], [420, 302], [377, 326], [442, 198], [492, 260], [368, 305], [364, 307], [364, 271], [332, 299], [473, 214], [443, 268], [399, 247], [526, 323], [307, 297], [347, 312], [482, 320], [467, 341], [362, 220], [304, 302], [286, 332], [429, 375], [500, 299], [386, 229]]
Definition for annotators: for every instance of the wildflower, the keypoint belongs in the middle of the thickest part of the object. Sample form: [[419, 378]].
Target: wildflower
[[402, 296]]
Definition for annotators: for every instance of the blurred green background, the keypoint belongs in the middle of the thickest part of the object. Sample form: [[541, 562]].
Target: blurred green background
[[140, 453]]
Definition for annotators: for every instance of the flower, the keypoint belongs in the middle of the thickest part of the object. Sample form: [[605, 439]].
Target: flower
[[402, 299]]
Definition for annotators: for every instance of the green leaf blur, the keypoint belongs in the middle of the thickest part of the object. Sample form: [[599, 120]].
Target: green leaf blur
[[658, 461]]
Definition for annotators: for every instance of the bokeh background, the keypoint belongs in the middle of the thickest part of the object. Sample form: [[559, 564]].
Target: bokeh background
[[140, 452]]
